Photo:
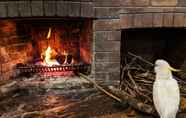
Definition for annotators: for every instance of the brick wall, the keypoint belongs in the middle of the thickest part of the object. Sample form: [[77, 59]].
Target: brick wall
[[111, 16], [114, 15]]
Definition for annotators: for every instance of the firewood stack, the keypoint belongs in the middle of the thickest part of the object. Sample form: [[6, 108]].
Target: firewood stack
[[137, 79]]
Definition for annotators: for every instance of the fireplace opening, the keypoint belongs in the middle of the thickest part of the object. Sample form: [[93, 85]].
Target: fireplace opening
[[139, 49], [156, 43], [49, 47]]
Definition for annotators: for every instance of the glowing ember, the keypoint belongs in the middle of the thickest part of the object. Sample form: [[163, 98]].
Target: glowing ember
[[57, 74]]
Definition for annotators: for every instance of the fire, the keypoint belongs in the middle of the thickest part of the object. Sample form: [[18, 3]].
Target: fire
[[48, 61], [48, 54], [49, 33], [52, 55]]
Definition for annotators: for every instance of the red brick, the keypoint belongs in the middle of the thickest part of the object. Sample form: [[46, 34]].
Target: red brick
[[157, 19], [143, 20], [168, 20], [108, 24], [164, 2], [126, 20], [179, 19]]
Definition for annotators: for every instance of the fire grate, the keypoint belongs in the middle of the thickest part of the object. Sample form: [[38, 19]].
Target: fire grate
[[31, 68]]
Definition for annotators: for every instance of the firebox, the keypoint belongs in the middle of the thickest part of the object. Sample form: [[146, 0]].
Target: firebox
[[49, 47], [156, 43]]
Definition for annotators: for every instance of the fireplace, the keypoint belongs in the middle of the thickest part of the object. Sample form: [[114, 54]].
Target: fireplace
[[53, 47], [46, 43]]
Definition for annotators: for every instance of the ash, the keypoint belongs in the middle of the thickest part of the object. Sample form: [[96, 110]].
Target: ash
[[59, 85]]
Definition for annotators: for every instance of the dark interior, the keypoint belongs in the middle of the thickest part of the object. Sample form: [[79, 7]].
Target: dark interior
[[156, 43]]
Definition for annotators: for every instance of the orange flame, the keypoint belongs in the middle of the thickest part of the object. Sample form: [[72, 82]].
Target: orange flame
[[48, 61], [49, 33]]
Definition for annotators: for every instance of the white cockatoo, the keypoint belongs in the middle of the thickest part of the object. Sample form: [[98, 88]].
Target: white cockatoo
[[166, 94]]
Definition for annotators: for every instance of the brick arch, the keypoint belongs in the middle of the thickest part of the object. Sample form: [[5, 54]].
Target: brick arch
[[150, 20]]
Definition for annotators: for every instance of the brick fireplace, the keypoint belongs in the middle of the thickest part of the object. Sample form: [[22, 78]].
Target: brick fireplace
[[109, 18]]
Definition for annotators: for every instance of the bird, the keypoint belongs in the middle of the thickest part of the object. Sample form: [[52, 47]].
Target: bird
[[166, 93]]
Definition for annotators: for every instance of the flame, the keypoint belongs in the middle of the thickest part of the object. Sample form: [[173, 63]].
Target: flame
[[49, 33], [48, 54], [65, 53], [48, 61]]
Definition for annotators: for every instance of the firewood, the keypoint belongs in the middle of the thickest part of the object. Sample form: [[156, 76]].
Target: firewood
[[99, 87], [133, 102]]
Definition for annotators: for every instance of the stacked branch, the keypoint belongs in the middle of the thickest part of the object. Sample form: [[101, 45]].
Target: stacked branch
[[137, 79]]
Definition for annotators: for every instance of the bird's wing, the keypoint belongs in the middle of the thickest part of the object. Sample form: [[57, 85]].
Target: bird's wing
[[166, 97], [157, 96], [174, 97]]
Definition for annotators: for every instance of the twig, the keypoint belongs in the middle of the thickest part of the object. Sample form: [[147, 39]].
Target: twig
[[55, 109], [132, 80], [100, 88], [140, 58]]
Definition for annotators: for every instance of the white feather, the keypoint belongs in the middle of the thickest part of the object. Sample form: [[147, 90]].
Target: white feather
[[166, 94]]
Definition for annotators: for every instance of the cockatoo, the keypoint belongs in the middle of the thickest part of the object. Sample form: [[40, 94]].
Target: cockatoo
[[166, 94]]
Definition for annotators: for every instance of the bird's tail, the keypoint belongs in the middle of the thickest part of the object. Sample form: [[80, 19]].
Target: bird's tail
[[169, 116]]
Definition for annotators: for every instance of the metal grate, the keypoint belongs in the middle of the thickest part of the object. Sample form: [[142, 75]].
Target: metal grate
[[31, 68]]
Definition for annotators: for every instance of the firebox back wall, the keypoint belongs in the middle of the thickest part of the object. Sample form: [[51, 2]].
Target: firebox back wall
[[111, 16]]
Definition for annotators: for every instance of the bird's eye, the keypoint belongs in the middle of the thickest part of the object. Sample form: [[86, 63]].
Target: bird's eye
[[155, 65]]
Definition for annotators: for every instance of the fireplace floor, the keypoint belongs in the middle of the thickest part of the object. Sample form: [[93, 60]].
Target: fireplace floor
[[93, 106], [60, 85], [49, 98], [58, 98]]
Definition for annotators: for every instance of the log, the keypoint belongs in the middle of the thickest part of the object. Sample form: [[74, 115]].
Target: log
[[122, 97], [8, 89], [99, 87], [132, 101]]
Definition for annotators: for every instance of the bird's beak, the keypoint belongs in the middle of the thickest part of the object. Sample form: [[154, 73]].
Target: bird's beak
[[173, 69]]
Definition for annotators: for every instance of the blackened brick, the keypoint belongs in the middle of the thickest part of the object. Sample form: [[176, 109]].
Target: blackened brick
[[24, 8], [87, 9], [13, 9], [50, 8], [62, 8], [3, 9], [37, 8]]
